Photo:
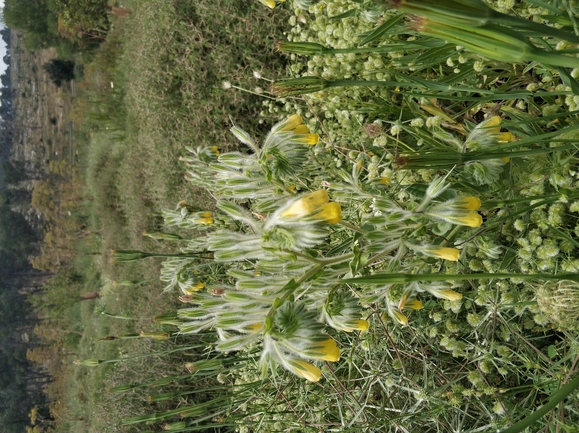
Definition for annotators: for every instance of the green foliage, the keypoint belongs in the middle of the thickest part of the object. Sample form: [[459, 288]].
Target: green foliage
[[14, 171], [59, 71], [396, 113], [16, 239]]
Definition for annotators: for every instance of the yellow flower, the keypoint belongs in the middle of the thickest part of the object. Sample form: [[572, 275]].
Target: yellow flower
[[401, 318], [450, 295], [384, 180], [361, 325], [326, 350], [470, 203], [472, 219], [492, 123], [301, 129], [309, 139], [306, 204], [415, 304], [269, 3], [204, 218], [330, 212], [194, 288], [451, 254], [295, 125], [305, 369], [256, 327], [291, 123]]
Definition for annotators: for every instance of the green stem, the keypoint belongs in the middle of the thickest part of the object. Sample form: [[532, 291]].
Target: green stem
[[398, 278], [336, 259], [353, 227]]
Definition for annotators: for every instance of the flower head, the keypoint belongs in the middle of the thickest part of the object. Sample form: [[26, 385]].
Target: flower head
[[269, 3], [326, 350], [315, 205], [469, 203], [294, 130], [488, 133], [306, 204], [304, 369], [471, 219], [450, 254]]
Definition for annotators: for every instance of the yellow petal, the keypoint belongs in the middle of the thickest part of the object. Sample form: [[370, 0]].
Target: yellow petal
[[301, 129], [472, 219], [451, 254], [362, 325], [415, 304], [402, 319], [451, 295], [326, 350], [306, 204], [293, 121], [403, 301], [310, 139], [493, 122], [195, 288], [306, 370], [470, 203], [330, 212], [268, 3], [505, 137], [256, 327]]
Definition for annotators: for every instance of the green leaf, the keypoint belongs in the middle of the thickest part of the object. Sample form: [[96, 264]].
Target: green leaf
[[347, 14], [556, 398], [381, 30]]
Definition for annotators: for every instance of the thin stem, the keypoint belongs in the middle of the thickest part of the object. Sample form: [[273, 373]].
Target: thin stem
[[353, 227]]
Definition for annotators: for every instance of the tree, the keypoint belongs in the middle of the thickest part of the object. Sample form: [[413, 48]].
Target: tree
[[59, 71]]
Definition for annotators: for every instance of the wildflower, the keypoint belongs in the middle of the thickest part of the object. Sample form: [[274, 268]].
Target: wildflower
[[256, 327], [304, 369], [449, 295], [399, 317], [469, 203], [326, 350], [315, 204], [306, 204], [450, 254], [470, 220], [458, 211], [203, 218], [414, 304], [342, 311], [294, 125], [487, 133], [329, 212], [195, 287], [440, 290], [269, 3]]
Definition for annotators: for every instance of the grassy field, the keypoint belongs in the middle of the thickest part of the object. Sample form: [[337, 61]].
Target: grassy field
[[398, 255], [153, 87]]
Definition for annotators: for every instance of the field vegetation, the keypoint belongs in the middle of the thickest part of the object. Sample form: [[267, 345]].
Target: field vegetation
[[336, 215]]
